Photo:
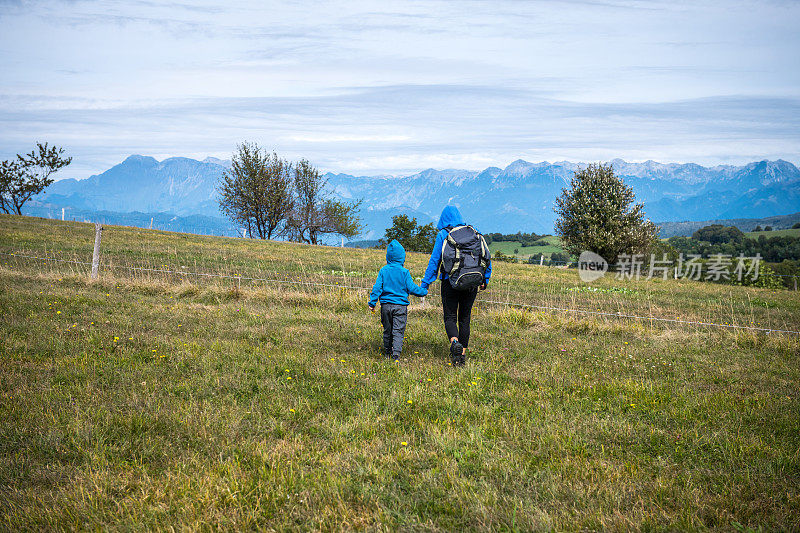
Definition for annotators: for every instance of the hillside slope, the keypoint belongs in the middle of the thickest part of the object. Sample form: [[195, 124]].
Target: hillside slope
[[158, 398]]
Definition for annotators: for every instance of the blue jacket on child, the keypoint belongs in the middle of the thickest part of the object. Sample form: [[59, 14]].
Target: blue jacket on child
[[394, 282], [450, 217]]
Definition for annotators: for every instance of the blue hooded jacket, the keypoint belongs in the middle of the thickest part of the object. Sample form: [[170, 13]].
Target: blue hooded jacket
[[450, 216], [394, 282]]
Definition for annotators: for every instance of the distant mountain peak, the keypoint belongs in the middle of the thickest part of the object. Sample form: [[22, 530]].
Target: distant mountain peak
[[520, 166], [217, 161], [518, 197], [139, 159]]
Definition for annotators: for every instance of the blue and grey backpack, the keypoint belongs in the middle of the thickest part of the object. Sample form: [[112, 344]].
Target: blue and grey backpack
[[465, 257]]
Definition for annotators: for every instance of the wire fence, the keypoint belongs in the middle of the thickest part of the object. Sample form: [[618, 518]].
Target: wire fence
[[120, 267]]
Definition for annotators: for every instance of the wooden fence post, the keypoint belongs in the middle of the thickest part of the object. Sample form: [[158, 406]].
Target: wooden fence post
[[98, 231]]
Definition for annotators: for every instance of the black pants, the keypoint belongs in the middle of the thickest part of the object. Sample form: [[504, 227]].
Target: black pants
[[393, 318], [457, 311]]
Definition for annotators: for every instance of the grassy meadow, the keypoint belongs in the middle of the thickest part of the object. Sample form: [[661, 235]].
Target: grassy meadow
[[158, 398], [524, 252]]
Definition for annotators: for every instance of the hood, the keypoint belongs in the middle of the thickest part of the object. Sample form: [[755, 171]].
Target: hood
[[451, 216], [395, 253]]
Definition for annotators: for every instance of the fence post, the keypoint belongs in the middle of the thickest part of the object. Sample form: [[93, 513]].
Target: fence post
[[795, 282], [541, 260], [98, 231]]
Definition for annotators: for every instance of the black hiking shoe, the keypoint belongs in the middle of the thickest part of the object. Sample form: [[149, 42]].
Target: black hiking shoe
[[456, 353]]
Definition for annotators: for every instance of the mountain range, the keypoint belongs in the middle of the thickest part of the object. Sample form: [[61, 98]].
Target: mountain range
[[519, 197]]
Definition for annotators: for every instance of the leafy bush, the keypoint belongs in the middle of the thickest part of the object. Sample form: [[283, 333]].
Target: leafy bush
[[597, 213], [717, 233], [413, 236], [500, 256]]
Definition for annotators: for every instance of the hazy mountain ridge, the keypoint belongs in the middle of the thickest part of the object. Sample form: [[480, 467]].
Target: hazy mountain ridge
[[519, 197], [687, 228]]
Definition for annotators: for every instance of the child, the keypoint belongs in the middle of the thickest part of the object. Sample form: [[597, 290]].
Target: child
[[392, 288]]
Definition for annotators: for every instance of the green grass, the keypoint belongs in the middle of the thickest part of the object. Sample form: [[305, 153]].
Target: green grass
[[154, 401], [774, 233], [524, 252]]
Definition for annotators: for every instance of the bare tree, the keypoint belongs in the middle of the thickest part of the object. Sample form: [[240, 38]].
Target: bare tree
[[256, 192], [315, 214], [28, 175]]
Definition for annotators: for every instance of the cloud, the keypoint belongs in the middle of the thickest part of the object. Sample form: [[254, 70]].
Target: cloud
[[403, 86], [403, 128]]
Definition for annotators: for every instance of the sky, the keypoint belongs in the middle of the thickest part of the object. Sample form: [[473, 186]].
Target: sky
[[395, 87]]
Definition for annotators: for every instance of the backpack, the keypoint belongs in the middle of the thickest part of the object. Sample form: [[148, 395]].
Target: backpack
[[465, 257]]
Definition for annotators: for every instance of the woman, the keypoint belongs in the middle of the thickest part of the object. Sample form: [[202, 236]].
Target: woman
[[457, 304]]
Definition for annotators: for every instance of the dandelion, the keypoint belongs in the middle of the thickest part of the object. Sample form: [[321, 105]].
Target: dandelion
[[474, 382], [410, 402], [154, 351], [288, 377], [342, 360], [291, 410], [58, 312], [179, 325], [429, 379], [404, 443]]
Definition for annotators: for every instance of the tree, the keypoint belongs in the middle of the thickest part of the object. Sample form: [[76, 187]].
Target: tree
[[597, 213], [767, 228], [500, 256], [413, 236], [315, 214], [28, 175], [796, 225], [717, 233], [257, 191], [758, 228]]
